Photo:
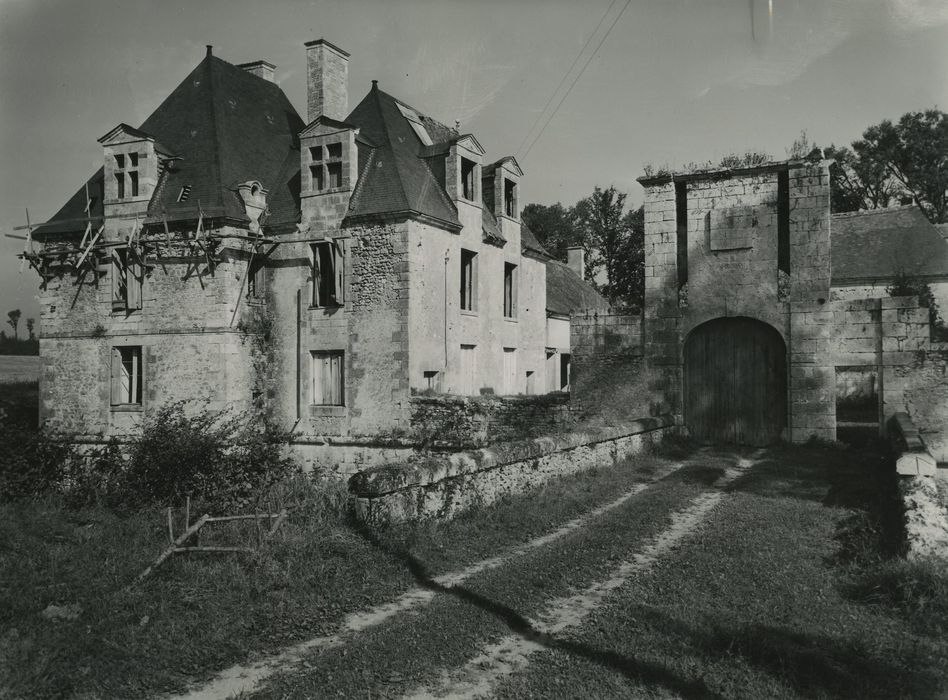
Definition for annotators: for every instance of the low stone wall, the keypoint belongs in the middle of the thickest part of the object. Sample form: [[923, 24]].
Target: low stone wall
[[923, 492], [467, 422], [442, 486]]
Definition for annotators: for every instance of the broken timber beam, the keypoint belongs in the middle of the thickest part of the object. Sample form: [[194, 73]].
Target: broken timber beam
[[185, 536]]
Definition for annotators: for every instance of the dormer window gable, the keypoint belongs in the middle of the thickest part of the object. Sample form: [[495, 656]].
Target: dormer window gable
[[132, 164], [501, 183], [462, 180], [329, 157]]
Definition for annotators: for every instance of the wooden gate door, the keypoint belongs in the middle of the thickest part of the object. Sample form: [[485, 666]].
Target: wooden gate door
[[735, 382]]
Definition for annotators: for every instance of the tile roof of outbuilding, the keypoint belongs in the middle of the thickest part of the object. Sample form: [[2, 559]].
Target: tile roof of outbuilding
[[567, 292], [877, 245]]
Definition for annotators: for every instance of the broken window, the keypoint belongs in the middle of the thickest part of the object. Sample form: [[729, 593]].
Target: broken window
[[127, 373], [468, 280], [133, 179], [335, 174], [328, 378], [510, 290], [510, 198], [256, 280], [432, 380], [468, 180], [857, 405], [316, 173], [126, 280], [120, 185], [564, 371], [328, 273]]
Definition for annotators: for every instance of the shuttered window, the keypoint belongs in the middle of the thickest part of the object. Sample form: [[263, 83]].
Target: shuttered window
[[328, 378], [127, 375], [468, 378], [510, 371], [127, 275], [328, 273]]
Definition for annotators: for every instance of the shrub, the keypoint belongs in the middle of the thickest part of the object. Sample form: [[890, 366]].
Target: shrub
[[31, 463], [221, 459]]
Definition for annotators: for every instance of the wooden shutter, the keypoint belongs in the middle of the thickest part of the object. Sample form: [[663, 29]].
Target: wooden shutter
[[318, 361], [339, 267], [335, 373], [133, 285], [119, 280], [315, 271]]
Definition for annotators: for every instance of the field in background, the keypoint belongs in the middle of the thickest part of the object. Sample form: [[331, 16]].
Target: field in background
[[19, 368]]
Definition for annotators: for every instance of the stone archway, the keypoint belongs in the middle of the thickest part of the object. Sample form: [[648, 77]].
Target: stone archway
[[735, 382]]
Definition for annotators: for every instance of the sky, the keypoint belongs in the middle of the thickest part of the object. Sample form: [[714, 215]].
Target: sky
[[660, 82]]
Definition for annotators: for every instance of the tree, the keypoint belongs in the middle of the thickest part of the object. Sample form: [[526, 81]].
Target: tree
[[627, 290], [30, 323], [606, 230], [907, 159], [13, 319], [915, 154], [554, 226]]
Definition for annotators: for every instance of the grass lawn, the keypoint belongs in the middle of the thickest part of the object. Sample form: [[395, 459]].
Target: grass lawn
[[789, 591], [196, 616]]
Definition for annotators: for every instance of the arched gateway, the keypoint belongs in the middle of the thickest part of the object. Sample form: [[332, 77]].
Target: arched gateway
[[735, 382]]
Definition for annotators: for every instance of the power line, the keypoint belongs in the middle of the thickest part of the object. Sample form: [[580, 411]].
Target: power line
[[566, 75], [579, 75]]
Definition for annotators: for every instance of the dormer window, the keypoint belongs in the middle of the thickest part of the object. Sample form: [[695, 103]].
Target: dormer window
[[510, 198], [468, 189], [326, 169], [126, 179]]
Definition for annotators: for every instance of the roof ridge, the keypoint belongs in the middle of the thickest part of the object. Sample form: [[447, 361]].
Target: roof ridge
[[388, 143], [877, 211], [217, 125]]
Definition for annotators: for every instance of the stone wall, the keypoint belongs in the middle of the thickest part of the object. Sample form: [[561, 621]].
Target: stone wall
[[610, 380], [464, 422], [445, 485], [189, 348]]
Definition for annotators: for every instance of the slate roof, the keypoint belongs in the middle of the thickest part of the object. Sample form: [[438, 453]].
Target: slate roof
[[228, 126], [567, 292], [876, 245], [397, 177], [529, 242]]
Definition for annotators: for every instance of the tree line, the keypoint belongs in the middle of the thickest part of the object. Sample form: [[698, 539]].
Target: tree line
[[893, 162], [16, 345]]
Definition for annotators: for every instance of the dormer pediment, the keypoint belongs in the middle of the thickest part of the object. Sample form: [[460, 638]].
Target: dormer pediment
[[323, 126], [510, 164], [470, 143]]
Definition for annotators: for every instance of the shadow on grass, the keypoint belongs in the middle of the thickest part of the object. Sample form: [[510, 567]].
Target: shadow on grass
[[647, 672]]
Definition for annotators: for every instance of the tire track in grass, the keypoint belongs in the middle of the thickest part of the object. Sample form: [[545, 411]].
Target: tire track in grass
[[247, 678], [480, 676]]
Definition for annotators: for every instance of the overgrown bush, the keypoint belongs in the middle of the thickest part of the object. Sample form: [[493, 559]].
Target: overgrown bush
[[30, 463], [221, 459]]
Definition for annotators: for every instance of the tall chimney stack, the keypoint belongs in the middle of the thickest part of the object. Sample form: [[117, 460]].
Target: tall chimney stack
[[327, 80], [576, 260]]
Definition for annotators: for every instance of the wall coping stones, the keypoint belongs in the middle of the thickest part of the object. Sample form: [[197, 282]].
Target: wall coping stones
[[915, 459], [391, 478]]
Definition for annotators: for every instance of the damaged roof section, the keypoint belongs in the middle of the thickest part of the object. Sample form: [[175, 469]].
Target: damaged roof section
[[224, 125]]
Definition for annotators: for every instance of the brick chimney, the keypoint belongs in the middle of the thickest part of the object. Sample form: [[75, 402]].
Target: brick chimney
[[327, 79], [576, 260], [261, 69]]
